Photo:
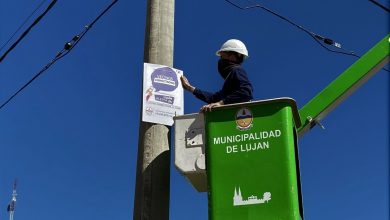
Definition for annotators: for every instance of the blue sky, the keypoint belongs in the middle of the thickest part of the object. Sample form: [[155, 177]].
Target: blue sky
[[71, 137]]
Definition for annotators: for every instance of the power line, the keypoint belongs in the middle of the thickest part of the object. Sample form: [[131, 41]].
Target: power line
[[322, 41], [28, 30], [380, 5], [20, 26], [318, 38], [62, 53]]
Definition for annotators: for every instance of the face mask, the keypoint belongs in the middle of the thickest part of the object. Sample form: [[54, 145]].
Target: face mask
[[224, 67]]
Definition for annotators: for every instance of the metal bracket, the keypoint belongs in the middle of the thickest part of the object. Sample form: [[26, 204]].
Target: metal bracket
[[194, 137], [314, 122]]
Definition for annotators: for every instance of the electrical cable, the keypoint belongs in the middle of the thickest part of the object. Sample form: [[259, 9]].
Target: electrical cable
[[380, 5], [317, 38], [28, 30], [62, 53], [20, 26]]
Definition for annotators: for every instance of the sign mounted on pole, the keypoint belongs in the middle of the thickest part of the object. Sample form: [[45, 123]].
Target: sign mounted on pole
[[162, 94]]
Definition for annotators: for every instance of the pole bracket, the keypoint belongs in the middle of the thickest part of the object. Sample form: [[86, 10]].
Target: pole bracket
[[314, 122]]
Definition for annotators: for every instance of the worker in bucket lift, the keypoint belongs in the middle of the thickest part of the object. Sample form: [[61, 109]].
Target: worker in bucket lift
[[236, 88]]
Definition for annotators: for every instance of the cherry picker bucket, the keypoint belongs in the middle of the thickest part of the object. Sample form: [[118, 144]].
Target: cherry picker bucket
[[252, 161]]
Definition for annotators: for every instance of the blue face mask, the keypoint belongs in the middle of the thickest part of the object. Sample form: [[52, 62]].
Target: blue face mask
[[225, 66]]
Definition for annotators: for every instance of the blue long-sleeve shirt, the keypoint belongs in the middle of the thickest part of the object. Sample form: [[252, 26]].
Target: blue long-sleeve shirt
[[236, 88]]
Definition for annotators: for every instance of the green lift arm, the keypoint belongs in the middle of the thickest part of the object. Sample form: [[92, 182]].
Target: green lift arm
[[344, 85]]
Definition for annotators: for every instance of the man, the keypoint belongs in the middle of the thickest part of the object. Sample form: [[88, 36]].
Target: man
[[236, 87]]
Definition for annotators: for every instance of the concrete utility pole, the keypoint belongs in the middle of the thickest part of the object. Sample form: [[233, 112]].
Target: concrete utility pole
[[151, 200]]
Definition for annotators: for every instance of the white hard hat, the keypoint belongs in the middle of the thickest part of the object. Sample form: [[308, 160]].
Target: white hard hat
[[235, 46]]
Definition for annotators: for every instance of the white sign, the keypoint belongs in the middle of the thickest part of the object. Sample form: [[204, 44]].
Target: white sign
[[162, 94]]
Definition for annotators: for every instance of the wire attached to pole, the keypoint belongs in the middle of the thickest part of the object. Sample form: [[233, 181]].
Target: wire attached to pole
[[62, 53]]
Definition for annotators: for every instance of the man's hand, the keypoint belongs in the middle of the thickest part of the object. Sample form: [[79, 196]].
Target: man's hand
[[186, 84], [207, 108]]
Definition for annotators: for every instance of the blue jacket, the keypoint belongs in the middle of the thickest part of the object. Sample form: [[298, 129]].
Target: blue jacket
[[235, 89]]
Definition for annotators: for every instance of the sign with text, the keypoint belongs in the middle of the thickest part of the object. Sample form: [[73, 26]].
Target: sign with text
[[252, 168], [162, 94]]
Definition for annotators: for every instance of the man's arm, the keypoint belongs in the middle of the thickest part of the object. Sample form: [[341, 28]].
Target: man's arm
[[208, 97], [205, 96]]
